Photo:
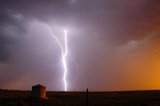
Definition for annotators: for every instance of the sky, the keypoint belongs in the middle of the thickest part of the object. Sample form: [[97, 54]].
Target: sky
[[113, 45]]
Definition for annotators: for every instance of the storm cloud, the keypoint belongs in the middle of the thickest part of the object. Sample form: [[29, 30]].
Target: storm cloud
[[113, 44]]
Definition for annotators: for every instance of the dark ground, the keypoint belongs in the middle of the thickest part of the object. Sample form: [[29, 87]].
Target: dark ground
[[124, 98]]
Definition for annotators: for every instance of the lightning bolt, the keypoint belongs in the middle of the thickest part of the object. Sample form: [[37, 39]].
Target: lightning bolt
[[64, 52], [64, 60]]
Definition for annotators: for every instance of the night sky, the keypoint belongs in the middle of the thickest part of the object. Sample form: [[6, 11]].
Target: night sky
[[113, 44]]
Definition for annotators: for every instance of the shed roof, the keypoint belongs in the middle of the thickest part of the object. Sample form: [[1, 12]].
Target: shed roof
[[38, 85]]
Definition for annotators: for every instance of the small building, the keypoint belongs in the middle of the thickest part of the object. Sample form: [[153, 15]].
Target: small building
[[39, 91]]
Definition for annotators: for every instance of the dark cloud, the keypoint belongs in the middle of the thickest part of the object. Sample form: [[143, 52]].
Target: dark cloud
[[3, 49], [119, 21], [113, 20]]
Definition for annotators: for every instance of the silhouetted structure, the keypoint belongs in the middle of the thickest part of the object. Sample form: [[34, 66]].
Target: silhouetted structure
[[39, 91], [87, 103]]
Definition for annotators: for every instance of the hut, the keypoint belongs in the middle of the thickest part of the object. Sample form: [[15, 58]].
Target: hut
[[39, 91]]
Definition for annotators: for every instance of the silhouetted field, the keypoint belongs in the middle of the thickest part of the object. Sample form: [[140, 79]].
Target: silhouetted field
[[124, 98]]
